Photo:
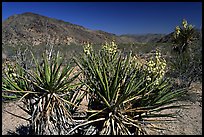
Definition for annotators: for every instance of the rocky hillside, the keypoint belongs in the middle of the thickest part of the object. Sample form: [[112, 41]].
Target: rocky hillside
[[33, 29], [143, 38], [36, 29]]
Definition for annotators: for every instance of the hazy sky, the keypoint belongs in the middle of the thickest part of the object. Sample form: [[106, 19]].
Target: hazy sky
[[115, 17]]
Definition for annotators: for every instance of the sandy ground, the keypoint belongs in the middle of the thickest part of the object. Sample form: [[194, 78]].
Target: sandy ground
[[10, 123], [189, 120]]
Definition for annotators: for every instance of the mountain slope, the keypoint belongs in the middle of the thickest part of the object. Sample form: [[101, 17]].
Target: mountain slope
[[145, 38], [36, 29], [33, 29]]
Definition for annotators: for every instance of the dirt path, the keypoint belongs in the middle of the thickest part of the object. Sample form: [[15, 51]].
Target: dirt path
[[189, 120]]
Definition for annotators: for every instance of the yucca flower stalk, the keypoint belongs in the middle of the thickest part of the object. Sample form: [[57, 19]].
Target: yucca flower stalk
[[155, 68], [50, 96], [120, 101]]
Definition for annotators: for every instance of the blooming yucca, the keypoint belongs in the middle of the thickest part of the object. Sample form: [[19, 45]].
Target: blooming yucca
[[185, 23], [183, 36], [155, 68], [88, 48], [125, 95], [177, 31], [110, 48]]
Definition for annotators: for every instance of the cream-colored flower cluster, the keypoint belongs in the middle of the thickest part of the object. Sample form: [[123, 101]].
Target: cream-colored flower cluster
[[177, 30], [185, 26], [155, 68], [184, 23], [87, 48], [110, 47], [9, 69]]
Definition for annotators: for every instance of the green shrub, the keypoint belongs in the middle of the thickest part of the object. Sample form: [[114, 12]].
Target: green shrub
[[48, 92], [10, 81], [124, 93]]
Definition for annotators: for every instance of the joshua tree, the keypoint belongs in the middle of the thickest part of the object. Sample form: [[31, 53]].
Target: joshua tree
[[183, 37], [186, 64]]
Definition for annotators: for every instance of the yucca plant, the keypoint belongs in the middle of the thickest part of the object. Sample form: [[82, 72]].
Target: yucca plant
[[49, 93], [11, 83], [185, 64], [122, 99], [183, 37]]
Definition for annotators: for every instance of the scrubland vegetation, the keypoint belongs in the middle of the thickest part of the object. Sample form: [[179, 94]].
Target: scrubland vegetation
[[126, 86]]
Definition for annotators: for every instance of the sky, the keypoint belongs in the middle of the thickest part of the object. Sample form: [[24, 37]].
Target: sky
[[115, 17]]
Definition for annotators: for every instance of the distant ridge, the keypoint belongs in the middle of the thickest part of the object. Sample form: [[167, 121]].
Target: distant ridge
[[34, 29]]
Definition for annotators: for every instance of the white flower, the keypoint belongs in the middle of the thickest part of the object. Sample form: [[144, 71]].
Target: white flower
[[177, 30], [148, 78], [185, 23]]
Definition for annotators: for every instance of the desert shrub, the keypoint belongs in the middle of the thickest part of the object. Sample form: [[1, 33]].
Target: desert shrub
[[186, 60], [11, 82], [125, 93], [183, 37], [48, 92]]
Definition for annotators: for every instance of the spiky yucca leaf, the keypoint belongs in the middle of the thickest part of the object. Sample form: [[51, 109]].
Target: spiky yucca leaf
[[12, 82], [50, 102], [120, 100]]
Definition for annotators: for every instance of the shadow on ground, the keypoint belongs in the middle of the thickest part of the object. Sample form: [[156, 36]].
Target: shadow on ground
[[21, 130]]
